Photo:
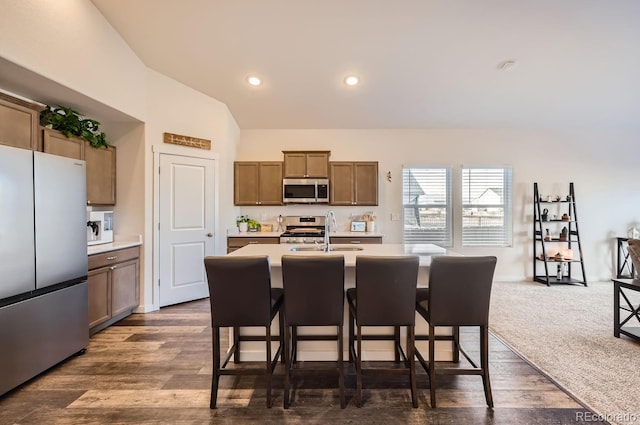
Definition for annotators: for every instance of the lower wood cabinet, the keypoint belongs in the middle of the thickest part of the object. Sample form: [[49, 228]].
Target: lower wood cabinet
[[234, 243], [114, 286]]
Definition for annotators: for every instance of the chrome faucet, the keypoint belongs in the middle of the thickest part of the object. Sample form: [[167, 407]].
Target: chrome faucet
[[329, 222]]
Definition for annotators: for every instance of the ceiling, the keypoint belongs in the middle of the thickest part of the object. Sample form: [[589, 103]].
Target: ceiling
[[422, 63]]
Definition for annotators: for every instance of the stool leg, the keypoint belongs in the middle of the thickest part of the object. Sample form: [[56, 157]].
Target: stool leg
[[412, 364], [432, 366], [268, 364], [287, 366], [396, 343], [351, 336], [455, 344], [281, 332], [341, 367], [484, 360], [236, 343], [359, 368], [294, 344], [216, 367]]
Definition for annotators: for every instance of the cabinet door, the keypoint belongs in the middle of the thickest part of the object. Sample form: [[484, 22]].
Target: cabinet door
[[341, 183], [56, 143], [246, 185], [318, 164], [19, 123], [295, 164], [366, 183], [270, 183], [101, 175], [124, 286], [99, 296]]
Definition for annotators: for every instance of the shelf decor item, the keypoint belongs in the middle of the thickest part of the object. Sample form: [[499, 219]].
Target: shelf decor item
[[564, 234], [545, 215]]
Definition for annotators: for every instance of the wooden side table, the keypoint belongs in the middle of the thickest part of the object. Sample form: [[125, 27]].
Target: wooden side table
[[628, 309]]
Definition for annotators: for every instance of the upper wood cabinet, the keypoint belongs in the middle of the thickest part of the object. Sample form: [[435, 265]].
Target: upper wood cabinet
[[257, 183], [56, 143], [306, 164], [19, 123], [101, 175], [353, 183]]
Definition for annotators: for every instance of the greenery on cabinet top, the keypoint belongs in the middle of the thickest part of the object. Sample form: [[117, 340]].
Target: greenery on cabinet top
[[72, 123]]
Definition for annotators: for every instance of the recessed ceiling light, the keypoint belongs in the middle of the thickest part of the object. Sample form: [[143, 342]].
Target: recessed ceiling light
[[351, 80], [254, 81]]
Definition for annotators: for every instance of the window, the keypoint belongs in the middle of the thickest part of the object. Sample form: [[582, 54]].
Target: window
[[426, 201], [486, 207]]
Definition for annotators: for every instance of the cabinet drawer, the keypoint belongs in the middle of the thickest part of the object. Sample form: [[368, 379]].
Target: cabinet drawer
[[112, 257], [356, 240], [242, 241]]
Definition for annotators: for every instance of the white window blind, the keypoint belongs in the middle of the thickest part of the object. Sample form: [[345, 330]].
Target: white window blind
[[486, 206], [426, 201]]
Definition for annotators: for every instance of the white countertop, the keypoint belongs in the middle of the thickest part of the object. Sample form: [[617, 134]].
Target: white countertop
[[276, 251], [254, 234], [116, 244], [332, 234]]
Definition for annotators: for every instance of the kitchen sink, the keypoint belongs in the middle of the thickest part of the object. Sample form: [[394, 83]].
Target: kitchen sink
[[321, 249]]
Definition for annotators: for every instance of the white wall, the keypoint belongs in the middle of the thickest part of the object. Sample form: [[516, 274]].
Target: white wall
[[67, 53], [71, 43], [176, 108], [601, 165]]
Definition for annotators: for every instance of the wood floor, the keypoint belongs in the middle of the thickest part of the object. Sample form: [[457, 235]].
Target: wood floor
[[156, 369]]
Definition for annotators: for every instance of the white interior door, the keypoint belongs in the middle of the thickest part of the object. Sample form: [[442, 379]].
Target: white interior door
[[186, 226]]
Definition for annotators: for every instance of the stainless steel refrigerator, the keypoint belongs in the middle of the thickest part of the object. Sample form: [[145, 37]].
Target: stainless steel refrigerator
[[43, 263]]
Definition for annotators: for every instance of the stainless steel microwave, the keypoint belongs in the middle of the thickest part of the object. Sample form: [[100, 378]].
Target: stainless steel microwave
[[305, 191]]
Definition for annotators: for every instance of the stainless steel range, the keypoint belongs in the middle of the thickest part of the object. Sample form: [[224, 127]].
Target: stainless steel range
[[303, 229]]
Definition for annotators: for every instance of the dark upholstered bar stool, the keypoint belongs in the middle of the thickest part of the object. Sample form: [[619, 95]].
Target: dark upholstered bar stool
[[385, 295], [459, 295], [313, 296], [241, 295]]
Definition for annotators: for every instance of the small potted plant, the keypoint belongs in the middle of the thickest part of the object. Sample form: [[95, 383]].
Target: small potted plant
[[545, 214], [253, 225], [242, 222]]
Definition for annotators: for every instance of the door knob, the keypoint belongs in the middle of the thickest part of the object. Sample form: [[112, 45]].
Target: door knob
[[209, 235]]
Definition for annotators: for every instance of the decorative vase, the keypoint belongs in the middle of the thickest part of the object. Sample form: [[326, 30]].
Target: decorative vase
[[243, 226]]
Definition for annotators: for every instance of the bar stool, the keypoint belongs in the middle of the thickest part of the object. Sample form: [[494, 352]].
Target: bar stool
[[459, 295], [385, 295], [240, 294], [313, 296]]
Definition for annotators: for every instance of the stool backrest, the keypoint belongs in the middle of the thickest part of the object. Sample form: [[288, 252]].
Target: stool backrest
[[239, 290], [386, 290], [460, 290], [313, 290]]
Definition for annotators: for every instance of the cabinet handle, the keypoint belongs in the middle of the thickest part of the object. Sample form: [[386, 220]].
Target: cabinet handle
[[253, 242], [113, 267], [355, 241], [112, 258]]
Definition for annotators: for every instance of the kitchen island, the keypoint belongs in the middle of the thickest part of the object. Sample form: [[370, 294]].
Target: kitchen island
[[372, 350]]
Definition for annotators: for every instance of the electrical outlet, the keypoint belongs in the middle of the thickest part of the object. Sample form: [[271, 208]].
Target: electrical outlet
[[395, 217]]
